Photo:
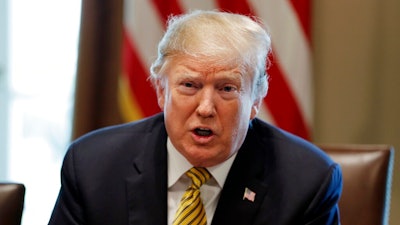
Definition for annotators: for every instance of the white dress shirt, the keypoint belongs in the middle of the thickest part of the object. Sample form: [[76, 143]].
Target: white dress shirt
[[178, 182]]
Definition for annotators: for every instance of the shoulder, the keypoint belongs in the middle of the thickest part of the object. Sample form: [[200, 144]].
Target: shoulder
[[119, 140], [142, 126], [286, 153], [284, 143], [114, 149], [120, 132], [297, 170]]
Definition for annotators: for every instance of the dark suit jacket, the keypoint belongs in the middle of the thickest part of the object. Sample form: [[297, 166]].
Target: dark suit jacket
[[118, 176]]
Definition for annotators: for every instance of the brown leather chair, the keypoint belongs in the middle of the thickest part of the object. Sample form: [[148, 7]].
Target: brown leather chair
[[367, 176], [12, 197]]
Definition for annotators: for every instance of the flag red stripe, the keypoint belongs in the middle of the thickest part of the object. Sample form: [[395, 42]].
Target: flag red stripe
[[282, 104], [166, 8], [137, 75], [303, 11], [242, 7]]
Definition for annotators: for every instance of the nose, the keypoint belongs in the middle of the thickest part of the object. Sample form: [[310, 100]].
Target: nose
[[206, 107]]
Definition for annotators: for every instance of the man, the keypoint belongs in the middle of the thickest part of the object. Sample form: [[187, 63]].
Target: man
[[210, 81]]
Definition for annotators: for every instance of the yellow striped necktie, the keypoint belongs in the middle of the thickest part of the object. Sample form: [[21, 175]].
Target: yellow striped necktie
[[191, 209]]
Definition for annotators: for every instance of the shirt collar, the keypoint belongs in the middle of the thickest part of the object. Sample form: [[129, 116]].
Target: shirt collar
[[178, 165]]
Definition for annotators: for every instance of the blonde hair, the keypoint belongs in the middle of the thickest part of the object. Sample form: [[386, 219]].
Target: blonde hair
[[220, 38]]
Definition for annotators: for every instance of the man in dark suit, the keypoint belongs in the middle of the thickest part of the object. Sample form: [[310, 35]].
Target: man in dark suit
[[210, 81]]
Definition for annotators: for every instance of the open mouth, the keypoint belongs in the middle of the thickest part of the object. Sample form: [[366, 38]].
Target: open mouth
[[204, 132]]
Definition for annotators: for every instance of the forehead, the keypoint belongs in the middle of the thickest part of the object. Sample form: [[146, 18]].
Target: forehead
[[202, 65]]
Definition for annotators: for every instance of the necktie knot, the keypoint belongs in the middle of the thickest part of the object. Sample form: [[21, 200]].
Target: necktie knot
[[199, 176]]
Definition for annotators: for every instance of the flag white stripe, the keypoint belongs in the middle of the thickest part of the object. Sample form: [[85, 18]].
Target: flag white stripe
[[145, 30], [190, 5], [291, 48]]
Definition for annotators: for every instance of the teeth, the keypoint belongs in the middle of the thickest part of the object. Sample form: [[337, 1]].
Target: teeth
[[203, 132]]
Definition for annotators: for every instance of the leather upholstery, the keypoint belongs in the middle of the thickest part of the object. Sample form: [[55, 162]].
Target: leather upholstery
[[12, 197], [367, 176]]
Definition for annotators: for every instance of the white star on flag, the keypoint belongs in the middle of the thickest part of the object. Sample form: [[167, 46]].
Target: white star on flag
[[249, 195]]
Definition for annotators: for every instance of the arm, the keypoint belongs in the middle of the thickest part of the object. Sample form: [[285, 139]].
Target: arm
[[324, 209], [68, 208]]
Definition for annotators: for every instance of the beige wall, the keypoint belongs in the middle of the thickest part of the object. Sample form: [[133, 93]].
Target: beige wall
[[357, 76]]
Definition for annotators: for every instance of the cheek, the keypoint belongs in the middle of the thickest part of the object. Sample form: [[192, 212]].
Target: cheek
[[236, 118], [231, 115], [177, 106], [171, 101]]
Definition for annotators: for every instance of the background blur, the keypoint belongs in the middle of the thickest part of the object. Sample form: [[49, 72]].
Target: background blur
[[38, 53], [357, 76], [356, 63]]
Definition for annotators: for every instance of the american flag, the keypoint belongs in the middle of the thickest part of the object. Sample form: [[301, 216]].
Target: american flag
[[249, 195], [288, 103]]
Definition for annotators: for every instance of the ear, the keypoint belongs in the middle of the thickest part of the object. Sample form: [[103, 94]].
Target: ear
[[255, 108], [160, 89]]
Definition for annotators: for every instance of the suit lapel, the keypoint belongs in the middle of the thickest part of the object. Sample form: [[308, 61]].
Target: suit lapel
[[247, 171], [147, 185]]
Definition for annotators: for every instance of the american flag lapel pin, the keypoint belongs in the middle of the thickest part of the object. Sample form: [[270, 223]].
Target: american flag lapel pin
[[249, 194]]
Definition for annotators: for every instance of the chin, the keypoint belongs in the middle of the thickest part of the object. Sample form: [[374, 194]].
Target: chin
[[198, 158]]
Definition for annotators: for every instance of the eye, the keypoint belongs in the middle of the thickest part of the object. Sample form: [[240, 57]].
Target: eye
[[229, 88], [229, 91], [188, 84], [188, 87]]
